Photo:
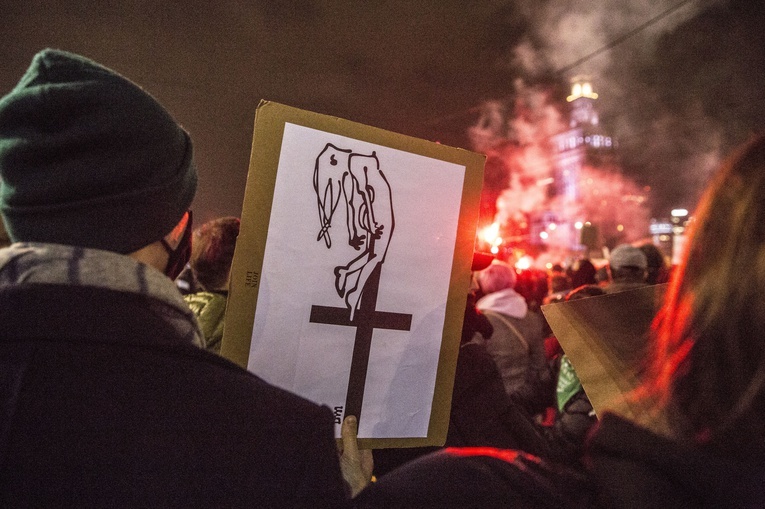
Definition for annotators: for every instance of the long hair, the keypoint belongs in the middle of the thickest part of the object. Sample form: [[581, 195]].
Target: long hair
[[709, 363]]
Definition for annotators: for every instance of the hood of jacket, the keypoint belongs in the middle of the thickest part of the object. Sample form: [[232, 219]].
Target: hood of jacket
[[507, 301]]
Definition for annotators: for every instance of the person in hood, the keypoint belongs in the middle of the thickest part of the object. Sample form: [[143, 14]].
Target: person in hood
[[517, 344]]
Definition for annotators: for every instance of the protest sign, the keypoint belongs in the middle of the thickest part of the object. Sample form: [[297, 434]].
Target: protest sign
[[352, 268], [607, 339]]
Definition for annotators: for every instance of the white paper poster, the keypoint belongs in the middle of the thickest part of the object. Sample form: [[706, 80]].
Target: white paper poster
[[357, 269]]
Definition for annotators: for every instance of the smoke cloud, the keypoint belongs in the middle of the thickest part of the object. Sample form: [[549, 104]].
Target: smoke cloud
[[658, 67]]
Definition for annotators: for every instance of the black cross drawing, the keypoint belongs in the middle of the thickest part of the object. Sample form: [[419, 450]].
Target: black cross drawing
[[367, 318]]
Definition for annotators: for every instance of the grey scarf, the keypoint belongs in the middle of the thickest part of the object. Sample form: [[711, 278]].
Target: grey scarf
[[32, 262]]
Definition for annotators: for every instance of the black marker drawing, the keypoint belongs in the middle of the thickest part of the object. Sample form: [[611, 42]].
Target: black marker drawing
[[331, 166], [370, 222]]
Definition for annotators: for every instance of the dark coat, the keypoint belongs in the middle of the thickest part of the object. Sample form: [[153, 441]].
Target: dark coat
[[482, 414], [633, 467], [626, 467], [518, 349], [101, 404]]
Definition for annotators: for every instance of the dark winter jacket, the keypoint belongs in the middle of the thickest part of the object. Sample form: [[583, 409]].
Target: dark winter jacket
[[626, 467], [633, 467], [103, 404], [482, 414], [574, 417]]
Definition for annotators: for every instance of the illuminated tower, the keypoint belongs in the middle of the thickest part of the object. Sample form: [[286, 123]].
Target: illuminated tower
[[582, 143], [582, 101]]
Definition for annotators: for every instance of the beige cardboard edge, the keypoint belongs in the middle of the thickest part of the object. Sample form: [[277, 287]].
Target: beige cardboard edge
[[587, 330], [247, 265], [249, 249], [592, 363]]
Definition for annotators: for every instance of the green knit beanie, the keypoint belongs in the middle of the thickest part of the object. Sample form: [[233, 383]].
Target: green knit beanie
[[87, 158]]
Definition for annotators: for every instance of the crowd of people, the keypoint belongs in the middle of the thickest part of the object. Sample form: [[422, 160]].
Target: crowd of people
[[114, 394]]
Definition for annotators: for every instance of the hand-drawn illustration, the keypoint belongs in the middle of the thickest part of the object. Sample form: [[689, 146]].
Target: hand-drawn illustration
[[369, 214], [370, 223], [331, 167]]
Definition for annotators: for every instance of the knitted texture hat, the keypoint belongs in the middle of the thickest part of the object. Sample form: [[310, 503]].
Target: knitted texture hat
[[626, 255], [87, 158]]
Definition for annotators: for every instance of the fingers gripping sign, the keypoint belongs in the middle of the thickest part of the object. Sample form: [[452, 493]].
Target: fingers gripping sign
[[356, 464]]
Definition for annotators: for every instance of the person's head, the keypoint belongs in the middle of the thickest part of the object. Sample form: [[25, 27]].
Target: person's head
[[710, 357], [559, 282], [533, 286], [657, 269], [212, 252], [583, 273], [627, 263], [89, 159], [497, 276]]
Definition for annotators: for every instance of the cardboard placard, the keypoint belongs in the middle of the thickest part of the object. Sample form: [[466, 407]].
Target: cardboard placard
[[607, 340], [352, 268]]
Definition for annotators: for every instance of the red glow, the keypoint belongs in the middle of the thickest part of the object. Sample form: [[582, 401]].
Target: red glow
[[533, 181], [507, 455]]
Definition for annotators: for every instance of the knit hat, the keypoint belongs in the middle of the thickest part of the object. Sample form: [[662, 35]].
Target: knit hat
[[626, 255], [497, 276], [87, 158]]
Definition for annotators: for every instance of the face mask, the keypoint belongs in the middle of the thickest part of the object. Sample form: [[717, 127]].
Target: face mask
[[178, 257]]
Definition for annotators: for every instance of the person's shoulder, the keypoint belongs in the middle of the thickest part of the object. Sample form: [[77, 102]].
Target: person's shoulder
[[238, 379], [201, 300], [485, 477]]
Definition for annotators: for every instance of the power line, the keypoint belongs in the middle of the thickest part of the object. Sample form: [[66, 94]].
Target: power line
[[585, 58], [624, 37]]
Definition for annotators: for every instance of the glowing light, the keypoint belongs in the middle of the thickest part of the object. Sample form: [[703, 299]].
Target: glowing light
[[491, 233], [494, 250], [552, 226], [620, 227], [576, 92], [679, 212], [549, 265], [544, 235], [588, 223], [582, 185], [581, 90], [524, 263], [578, 225]]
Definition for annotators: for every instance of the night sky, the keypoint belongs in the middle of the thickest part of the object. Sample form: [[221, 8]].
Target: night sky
[[677, 94]]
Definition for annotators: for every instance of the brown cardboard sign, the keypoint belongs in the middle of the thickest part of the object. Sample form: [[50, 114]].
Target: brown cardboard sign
[[607, 339], [351, 270]]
